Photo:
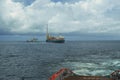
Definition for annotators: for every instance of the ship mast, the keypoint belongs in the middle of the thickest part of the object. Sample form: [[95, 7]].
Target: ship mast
[[47, 34]]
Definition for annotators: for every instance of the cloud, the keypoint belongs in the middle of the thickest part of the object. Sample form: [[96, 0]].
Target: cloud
[[64, 1], [81, 16], [25, 2]]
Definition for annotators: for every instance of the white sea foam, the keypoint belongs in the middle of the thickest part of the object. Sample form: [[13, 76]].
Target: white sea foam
[[102, 68]]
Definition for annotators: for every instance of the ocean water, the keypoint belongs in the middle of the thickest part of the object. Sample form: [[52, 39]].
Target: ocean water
[[38, 61]]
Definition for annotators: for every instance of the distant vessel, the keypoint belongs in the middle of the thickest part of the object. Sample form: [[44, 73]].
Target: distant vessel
[[54, 39], [33, 40]]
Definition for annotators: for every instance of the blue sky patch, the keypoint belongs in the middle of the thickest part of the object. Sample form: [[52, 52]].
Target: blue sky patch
[[25, 2]]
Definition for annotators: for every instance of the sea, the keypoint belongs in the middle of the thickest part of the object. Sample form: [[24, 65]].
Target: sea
[[20, 60]]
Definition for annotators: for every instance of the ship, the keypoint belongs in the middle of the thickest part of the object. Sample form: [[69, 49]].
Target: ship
[[54, 39], [32, 40], [67, 74]]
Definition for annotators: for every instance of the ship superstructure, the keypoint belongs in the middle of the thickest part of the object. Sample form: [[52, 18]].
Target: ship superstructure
[[55, 39]]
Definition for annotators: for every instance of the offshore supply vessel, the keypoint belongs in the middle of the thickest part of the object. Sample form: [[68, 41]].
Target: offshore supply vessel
[[54, 39], [32, 40], [66, 74]]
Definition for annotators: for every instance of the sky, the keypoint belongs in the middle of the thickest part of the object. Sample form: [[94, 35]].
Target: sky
[[99, 18]]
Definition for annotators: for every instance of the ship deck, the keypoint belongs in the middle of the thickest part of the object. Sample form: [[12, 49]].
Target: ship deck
[[87, 78]]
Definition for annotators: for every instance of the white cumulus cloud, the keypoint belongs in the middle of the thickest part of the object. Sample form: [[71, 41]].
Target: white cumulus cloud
[[82, 16]]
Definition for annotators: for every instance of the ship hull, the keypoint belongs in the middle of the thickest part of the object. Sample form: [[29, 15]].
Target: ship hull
[[66, 74], [56, 41]]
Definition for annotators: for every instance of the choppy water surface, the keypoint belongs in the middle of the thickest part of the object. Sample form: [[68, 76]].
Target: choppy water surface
[[38, 61]]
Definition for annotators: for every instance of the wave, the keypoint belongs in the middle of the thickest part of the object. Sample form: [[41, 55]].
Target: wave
[[98, 68]]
